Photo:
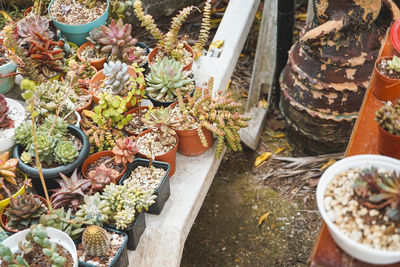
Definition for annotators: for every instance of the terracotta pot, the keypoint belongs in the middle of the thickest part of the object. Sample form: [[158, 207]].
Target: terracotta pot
[[4, 218], [88, 105], [98, 63], [133, 111], [98, 79], [190, 144], [388, 144], [169, 157], [154, 52], [385, 88], [93, 158]]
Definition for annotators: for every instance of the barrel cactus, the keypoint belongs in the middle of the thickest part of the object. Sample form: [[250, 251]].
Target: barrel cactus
[[116, 76], [95, 241], [65, 152], [165, 78]]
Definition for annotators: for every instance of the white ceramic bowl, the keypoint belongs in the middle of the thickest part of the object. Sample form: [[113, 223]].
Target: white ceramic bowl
[[55, 236], [353, 248], [6, 136]]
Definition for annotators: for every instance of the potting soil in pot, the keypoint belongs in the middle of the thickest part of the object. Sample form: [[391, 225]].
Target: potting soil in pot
[[72, 12], [12, 187], [116, 241], [158, 147], [367, 226], [186, 58], [134, 122], [147, 176], [91, 53], [383, 69], [109, 162]]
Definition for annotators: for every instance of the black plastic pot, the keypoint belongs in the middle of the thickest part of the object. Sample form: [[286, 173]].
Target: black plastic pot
[[162, 191], [50, 174], [142, 45], [134, 231], [121, 259]]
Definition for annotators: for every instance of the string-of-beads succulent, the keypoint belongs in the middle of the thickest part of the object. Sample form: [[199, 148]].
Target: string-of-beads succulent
[[165, 78], [169, 41], [220, 115], [95, 241], [125, 199], [116, 76], [388, 117], [94, 209]]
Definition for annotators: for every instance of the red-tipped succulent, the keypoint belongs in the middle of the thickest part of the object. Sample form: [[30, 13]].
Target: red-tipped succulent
[[5, 121], [102, 176], [124, 150]]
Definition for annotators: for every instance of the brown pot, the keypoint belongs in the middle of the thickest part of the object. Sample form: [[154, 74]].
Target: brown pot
[[385, 88], [93, 158], [190, 144], [388, 144], [169, 157], [98, 63], [133, 111], [4, 218], [187, 67], [88, 105], [99, 77]]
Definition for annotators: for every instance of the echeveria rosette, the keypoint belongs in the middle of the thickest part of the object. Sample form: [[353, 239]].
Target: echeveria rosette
[[26, 157], [23, 134], [117, 75], [65, 152], [45, 145]]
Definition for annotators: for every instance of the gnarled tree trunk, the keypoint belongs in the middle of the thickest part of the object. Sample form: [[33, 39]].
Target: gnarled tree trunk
[[328, 70]]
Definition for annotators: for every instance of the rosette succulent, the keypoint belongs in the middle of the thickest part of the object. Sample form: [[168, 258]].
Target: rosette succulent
[[166, 77], [28, 26], [94, 209], [116, 76], [23, 134], [5, 121], [45, 145], [65, 152], [94, 36]]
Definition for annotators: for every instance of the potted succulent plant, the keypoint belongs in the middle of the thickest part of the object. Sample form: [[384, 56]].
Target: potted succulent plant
[[12, 114], [165, 78], [168, 44], [115, 40], [103, 247], [117, 78], [154, 175], [7, 71], [40, 245], [160, 142], [135, 125], [75, 19], [80, 73], [202, 115], [387, 78], [358, 198], [388, 119]]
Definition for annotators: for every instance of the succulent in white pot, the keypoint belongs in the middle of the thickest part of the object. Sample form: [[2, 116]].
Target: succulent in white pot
[[359, 199]]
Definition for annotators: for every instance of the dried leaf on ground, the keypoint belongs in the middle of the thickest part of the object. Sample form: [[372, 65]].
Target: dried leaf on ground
[[263, 218], [263, 157]]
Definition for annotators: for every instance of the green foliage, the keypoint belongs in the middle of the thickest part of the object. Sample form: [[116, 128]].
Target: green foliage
[[65, 152], [94, 209], [166, 77], [45, 144], [8, 257], [95, 241], [394, 64], [388, 117], [161, 120]]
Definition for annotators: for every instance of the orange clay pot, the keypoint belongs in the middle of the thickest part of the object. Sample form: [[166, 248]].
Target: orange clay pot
[[154, 52], [385, 88], [98, 63], [190, 144], [93, 158], [133, 111], [88, 105], [388, 144], [169, 157], [99, 77]]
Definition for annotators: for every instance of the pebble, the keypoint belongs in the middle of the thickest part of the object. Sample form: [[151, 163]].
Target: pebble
[[157, 147], [149, 177]]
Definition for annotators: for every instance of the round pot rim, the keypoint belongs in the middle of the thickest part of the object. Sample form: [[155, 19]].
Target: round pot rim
[[187, 47], [20, 191], [394, 34], [381, 74], [388, 135], [359, 161], [80, 25], [101, 154], [131, 111], [7, 65], [80, 57], [70, 167]]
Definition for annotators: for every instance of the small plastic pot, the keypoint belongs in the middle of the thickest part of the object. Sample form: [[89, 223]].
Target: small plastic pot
[[93, 158], [385, 88], [388, 144], [99, 77], [190, 144], [134, 231], [143, 45], [4, 218], [78, 33], [97, 63], [153, 53], [165, 104], [133, 111], [54, 235], [88, 105], [50, 174], [162, 191], [169, 157], [121, 259], [7, 77]]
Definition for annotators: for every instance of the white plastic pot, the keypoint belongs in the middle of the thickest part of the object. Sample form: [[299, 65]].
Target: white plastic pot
[[6, 136], [351, 247], [54, 235]]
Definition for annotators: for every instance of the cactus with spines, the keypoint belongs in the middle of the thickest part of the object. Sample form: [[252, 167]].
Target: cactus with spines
[[220, 115], [117, 76], [94, 209], [95, 241], [388, 117], [165, 78]]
